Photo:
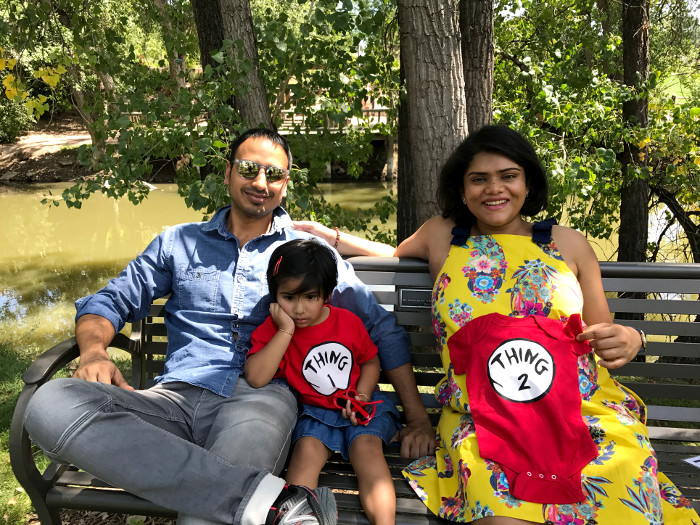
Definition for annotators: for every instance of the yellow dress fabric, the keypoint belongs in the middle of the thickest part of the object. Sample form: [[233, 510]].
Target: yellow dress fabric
[[514, 275]]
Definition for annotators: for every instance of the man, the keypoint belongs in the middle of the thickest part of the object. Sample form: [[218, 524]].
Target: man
[[202, 441]]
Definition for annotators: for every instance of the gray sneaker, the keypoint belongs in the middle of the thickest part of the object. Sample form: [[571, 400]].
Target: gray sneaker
[[299, 505]]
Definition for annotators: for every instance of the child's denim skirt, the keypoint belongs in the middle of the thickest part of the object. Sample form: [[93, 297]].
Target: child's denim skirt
[[337, 433]]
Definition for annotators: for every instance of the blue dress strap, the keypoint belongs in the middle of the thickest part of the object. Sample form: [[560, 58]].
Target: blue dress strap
[[460, 234], [542, 231]]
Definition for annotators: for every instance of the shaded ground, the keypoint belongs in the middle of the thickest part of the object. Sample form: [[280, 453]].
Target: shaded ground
[[46, 154]]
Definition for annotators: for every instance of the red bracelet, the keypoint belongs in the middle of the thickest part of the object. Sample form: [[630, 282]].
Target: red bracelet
[[337, 237]]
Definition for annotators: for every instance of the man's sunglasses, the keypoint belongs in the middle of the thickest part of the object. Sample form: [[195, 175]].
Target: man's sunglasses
[[249, 169], [364, 410]]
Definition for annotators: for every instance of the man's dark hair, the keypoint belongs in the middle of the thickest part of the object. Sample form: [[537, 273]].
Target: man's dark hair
[[305, 258], [260, 133], [501, 140]]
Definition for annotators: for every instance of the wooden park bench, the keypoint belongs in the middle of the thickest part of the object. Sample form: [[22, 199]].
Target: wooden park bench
[[666, 376]]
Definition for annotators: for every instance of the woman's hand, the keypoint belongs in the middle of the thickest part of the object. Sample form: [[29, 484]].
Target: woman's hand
[[615, 345], [317, 229]]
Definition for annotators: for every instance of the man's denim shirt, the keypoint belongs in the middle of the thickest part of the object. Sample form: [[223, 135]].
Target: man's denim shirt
[[219, 295]]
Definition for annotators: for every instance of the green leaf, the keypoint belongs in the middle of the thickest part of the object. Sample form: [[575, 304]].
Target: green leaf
[[204, 144], [198, 159]]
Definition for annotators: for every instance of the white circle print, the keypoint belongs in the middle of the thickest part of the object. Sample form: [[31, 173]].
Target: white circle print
[[521, 370], [327, 367]]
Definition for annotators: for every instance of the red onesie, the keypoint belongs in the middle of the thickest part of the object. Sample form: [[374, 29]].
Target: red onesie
[[522, 382], [323, 358]]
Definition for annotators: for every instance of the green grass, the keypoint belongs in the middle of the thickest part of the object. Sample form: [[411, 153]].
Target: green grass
[[14, 503]]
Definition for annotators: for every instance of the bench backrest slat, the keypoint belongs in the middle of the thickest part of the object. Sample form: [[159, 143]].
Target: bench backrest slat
[[658, 391], [672, 348], [657, 370], [656, 306], [667, 287]]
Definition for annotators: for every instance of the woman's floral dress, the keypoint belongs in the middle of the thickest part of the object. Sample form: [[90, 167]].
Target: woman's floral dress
[[514, 275]]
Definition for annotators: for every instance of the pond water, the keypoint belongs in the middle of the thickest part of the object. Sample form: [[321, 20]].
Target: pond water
[[51, 256]]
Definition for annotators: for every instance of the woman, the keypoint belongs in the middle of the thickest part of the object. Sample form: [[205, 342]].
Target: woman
[[486, 259]]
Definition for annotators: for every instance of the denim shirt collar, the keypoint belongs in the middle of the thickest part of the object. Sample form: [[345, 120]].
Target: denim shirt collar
[[219, 222]]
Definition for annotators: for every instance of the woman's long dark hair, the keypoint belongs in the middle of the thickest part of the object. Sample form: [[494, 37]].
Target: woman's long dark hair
[[501, 140]]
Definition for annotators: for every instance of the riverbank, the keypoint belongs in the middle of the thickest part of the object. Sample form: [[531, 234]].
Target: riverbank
[[48, 153]]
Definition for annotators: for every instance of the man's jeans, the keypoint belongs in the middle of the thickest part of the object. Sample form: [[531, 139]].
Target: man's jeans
[[177, 445]]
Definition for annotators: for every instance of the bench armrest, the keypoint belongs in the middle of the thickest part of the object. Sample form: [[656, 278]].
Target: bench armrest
[[58, 356]]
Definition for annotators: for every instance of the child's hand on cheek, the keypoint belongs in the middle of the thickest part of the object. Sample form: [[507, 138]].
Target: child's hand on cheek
[[280, 317]]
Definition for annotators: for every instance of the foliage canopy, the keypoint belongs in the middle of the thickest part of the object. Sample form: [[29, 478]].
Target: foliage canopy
[[557, 79]]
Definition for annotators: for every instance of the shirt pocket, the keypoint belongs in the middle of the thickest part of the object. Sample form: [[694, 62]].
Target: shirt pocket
[[260, 297], [198, 289]]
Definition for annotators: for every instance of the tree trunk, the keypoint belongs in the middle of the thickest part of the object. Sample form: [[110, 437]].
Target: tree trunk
[[436, 113], [238, 25], [634, 212], [634, 196], [476, 29], [220, 20], [176, 59], [210, 29], [406, 221]]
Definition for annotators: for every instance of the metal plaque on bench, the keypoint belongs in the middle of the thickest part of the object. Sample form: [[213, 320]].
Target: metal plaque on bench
[[414, 298]]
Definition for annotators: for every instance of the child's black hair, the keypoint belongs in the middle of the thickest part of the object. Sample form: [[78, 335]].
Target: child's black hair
[[305, 258]]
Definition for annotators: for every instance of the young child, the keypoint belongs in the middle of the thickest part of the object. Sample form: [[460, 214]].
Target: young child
[[327, 356]]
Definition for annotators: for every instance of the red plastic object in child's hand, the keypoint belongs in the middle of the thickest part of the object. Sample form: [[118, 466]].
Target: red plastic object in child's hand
[[364, 410]]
